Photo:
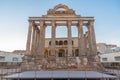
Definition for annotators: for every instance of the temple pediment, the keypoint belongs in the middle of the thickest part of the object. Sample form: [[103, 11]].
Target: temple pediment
[[61, 10]]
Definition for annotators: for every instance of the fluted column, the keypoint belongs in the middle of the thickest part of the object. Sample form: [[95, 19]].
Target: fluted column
[[41, 44], [69, 38], [81, 45], [53, 38], [44, 27], [28, 45], [92, 40], [36, 40], [33, 40], [86, 43]]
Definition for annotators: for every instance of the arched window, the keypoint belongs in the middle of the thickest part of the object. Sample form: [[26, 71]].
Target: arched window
[[76, 52], [56, 42], [60, 9], [60, 42], [65, 42], [72, 42], [61, 53], [49, 42], [45, 52]]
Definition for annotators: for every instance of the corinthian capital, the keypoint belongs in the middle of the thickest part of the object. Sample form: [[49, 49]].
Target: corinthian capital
[[53, 23], [41, 23], [69, 23]]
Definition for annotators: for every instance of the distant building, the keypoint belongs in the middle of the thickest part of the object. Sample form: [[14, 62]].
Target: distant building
[[8, 58], [21, 52], [106, 48], [111, 60]]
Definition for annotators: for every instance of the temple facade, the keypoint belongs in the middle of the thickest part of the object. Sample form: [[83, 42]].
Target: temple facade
[[62, 53], [70, 58]]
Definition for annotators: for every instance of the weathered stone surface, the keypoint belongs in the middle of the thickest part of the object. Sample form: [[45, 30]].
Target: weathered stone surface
[[61, 55]]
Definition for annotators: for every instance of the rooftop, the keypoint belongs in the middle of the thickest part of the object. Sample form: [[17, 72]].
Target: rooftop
[[59, 74]]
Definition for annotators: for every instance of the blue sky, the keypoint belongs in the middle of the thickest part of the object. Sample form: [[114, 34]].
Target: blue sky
[[14, 19]]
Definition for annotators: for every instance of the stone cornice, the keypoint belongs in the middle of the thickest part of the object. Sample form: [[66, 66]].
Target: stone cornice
[[61, 18]]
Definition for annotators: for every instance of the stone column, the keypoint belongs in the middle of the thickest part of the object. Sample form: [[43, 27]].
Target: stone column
[[44, 27], [86, 43], [28, 45], [81, 45], [92, 40], [37, 40], [89, 40], [53, 38], [69, 38], [33, 40], [41, 44]]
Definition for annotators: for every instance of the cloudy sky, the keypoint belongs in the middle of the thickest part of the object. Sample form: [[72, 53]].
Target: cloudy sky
[[14, 19]]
